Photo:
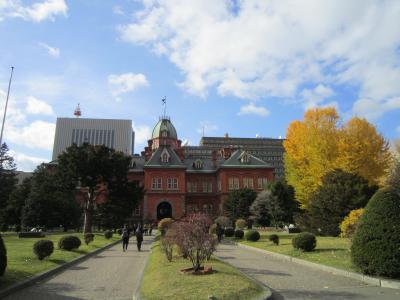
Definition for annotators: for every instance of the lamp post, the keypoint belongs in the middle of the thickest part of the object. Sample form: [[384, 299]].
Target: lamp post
[[5, 109]]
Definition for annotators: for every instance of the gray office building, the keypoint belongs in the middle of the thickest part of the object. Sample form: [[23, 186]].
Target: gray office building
[[115, 134]]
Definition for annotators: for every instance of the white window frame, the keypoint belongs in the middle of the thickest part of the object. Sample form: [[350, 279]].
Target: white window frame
[[156, 183]]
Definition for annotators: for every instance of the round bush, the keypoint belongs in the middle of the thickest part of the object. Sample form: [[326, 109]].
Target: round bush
[[229, 232], [239, 234], [43, 249], [349, 224], [274, 238], [108, 234], [88, 237], [376, 242], [69, 242], [3, 257], [252, 235], [304, 241], [240, 224]]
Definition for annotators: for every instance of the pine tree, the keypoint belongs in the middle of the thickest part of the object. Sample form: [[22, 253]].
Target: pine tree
[[8, 179]]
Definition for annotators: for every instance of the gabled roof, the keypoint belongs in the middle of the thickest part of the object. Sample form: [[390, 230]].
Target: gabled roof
[[235, 161], [156, 162]]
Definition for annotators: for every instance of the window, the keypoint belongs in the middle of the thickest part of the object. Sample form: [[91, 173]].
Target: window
[[233, 183], [192, 208], [136, 212], [172, 183], [245, 159], [248, 182], [219, 185], [207, 187], [262, 182], [192, 187], [198, 164], [164, 157], [156, 183], [164, 133]]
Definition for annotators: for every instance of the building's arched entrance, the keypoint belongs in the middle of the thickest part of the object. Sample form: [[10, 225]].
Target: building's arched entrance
[[164, 210]]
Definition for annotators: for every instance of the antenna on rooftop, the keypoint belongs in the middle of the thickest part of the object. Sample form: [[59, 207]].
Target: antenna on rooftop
[[164, 103], [77, 112]]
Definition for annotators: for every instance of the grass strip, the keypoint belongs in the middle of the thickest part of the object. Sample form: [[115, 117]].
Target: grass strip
[[22, 262], [330, 251], [163, 280]]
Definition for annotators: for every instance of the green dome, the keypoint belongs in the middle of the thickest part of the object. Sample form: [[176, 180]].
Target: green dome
[[164, 125]]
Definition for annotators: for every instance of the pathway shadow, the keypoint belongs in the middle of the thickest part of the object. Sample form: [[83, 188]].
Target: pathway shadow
[[226, 257], [58, 261], [251, 271], [50, 291], [320, 295]]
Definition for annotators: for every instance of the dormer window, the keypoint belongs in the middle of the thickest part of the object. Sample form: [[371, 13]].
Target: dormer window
[[165, 156], [164, 133], [245, 159], [198, 164]]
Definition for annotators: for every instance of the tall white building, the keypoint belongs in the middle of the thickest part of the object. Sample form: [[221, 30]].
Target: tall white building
[[115, 134]]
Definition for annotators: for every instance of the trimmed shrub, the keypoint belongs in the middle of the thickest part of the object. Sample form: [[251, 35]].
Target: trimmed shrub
[[349, 224], [252, 235], [376, 242], [239, 234], [69, 242], [88, 237], [3, 257], [229, 232], [108, 234], [240, 224], [274, 238], [43, 249], [304, 241], [164, 224]]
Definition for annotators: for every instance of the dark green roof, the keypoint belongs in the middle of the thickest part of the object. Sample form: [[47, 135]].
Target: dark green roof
[[235, 161], [164, 124], [155, 160]]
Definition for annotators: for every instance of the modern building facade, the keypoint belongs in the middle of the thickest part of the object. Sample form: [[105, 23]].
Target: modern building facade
[[115, 134], [181, 180], [269, 150]]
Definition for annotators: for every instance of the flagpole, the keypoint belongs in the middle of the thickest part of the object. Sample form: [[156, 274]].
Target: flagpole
[[5, 109]]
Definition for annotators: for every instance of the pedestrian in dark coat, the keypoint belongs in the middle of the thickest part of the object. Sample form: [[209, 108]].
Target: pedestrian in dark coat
[[125, 238], [139, 237], [219, 231]]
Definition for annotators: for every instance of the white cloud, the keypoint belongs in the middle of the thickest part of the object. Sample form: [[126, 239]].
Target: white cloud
[[25, 162], [127, 82], [275, 48], [37, 135], [52, 51], [252, 109], [117, 10], [315, 97], [37, 12], [38, 107], [142, 134], [373, 109], [206, 127]]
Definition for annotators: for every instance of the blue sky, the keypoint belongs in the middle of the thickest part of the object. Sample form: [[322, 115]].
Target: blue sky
[[245, 68]]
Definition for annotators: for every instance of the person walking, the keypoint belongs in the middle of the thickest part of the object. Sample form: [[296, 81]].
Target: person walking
[[139, 237], [219, 231], [125, 238]]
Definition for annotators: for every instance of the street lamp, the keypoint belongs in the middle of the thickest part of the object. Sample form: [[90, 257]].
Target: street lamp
[[5, 109]]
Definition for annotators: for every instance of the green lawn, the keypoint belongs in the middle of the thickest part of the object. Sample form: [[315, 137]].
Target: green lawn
[[163, 280], [330, 251], [22, 262]]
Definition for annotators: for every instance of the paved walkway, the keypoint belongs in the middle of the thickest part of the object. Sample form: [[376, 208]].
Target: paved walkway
[[112, 274], [289, 280]]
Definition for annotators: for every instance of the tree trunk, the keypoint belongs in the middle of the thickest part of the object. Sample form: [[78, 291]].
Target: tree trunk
[[87, 226]]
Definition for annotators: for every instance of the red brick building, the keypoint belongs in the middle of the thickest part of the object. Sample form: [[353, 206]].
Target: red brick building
[[180, 180]]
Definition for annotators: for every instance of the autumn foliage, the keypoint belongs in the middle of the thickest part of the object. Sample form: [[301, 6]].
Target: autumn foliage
[[349, 224], [320, 144]]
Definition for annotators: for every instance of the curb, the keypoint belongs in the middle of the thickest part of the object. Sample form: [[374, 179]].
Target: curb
[[46, 274], [137, 295], [267, 293], [375, 281]]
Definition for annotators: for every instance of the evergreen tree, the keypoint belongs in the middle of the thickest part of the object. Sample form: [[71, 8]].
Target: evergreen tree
[[50, 202], [260, 208], [16, 202], [285, 200], [237, 206], [340, 193], [8, 179], [92, 168]]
